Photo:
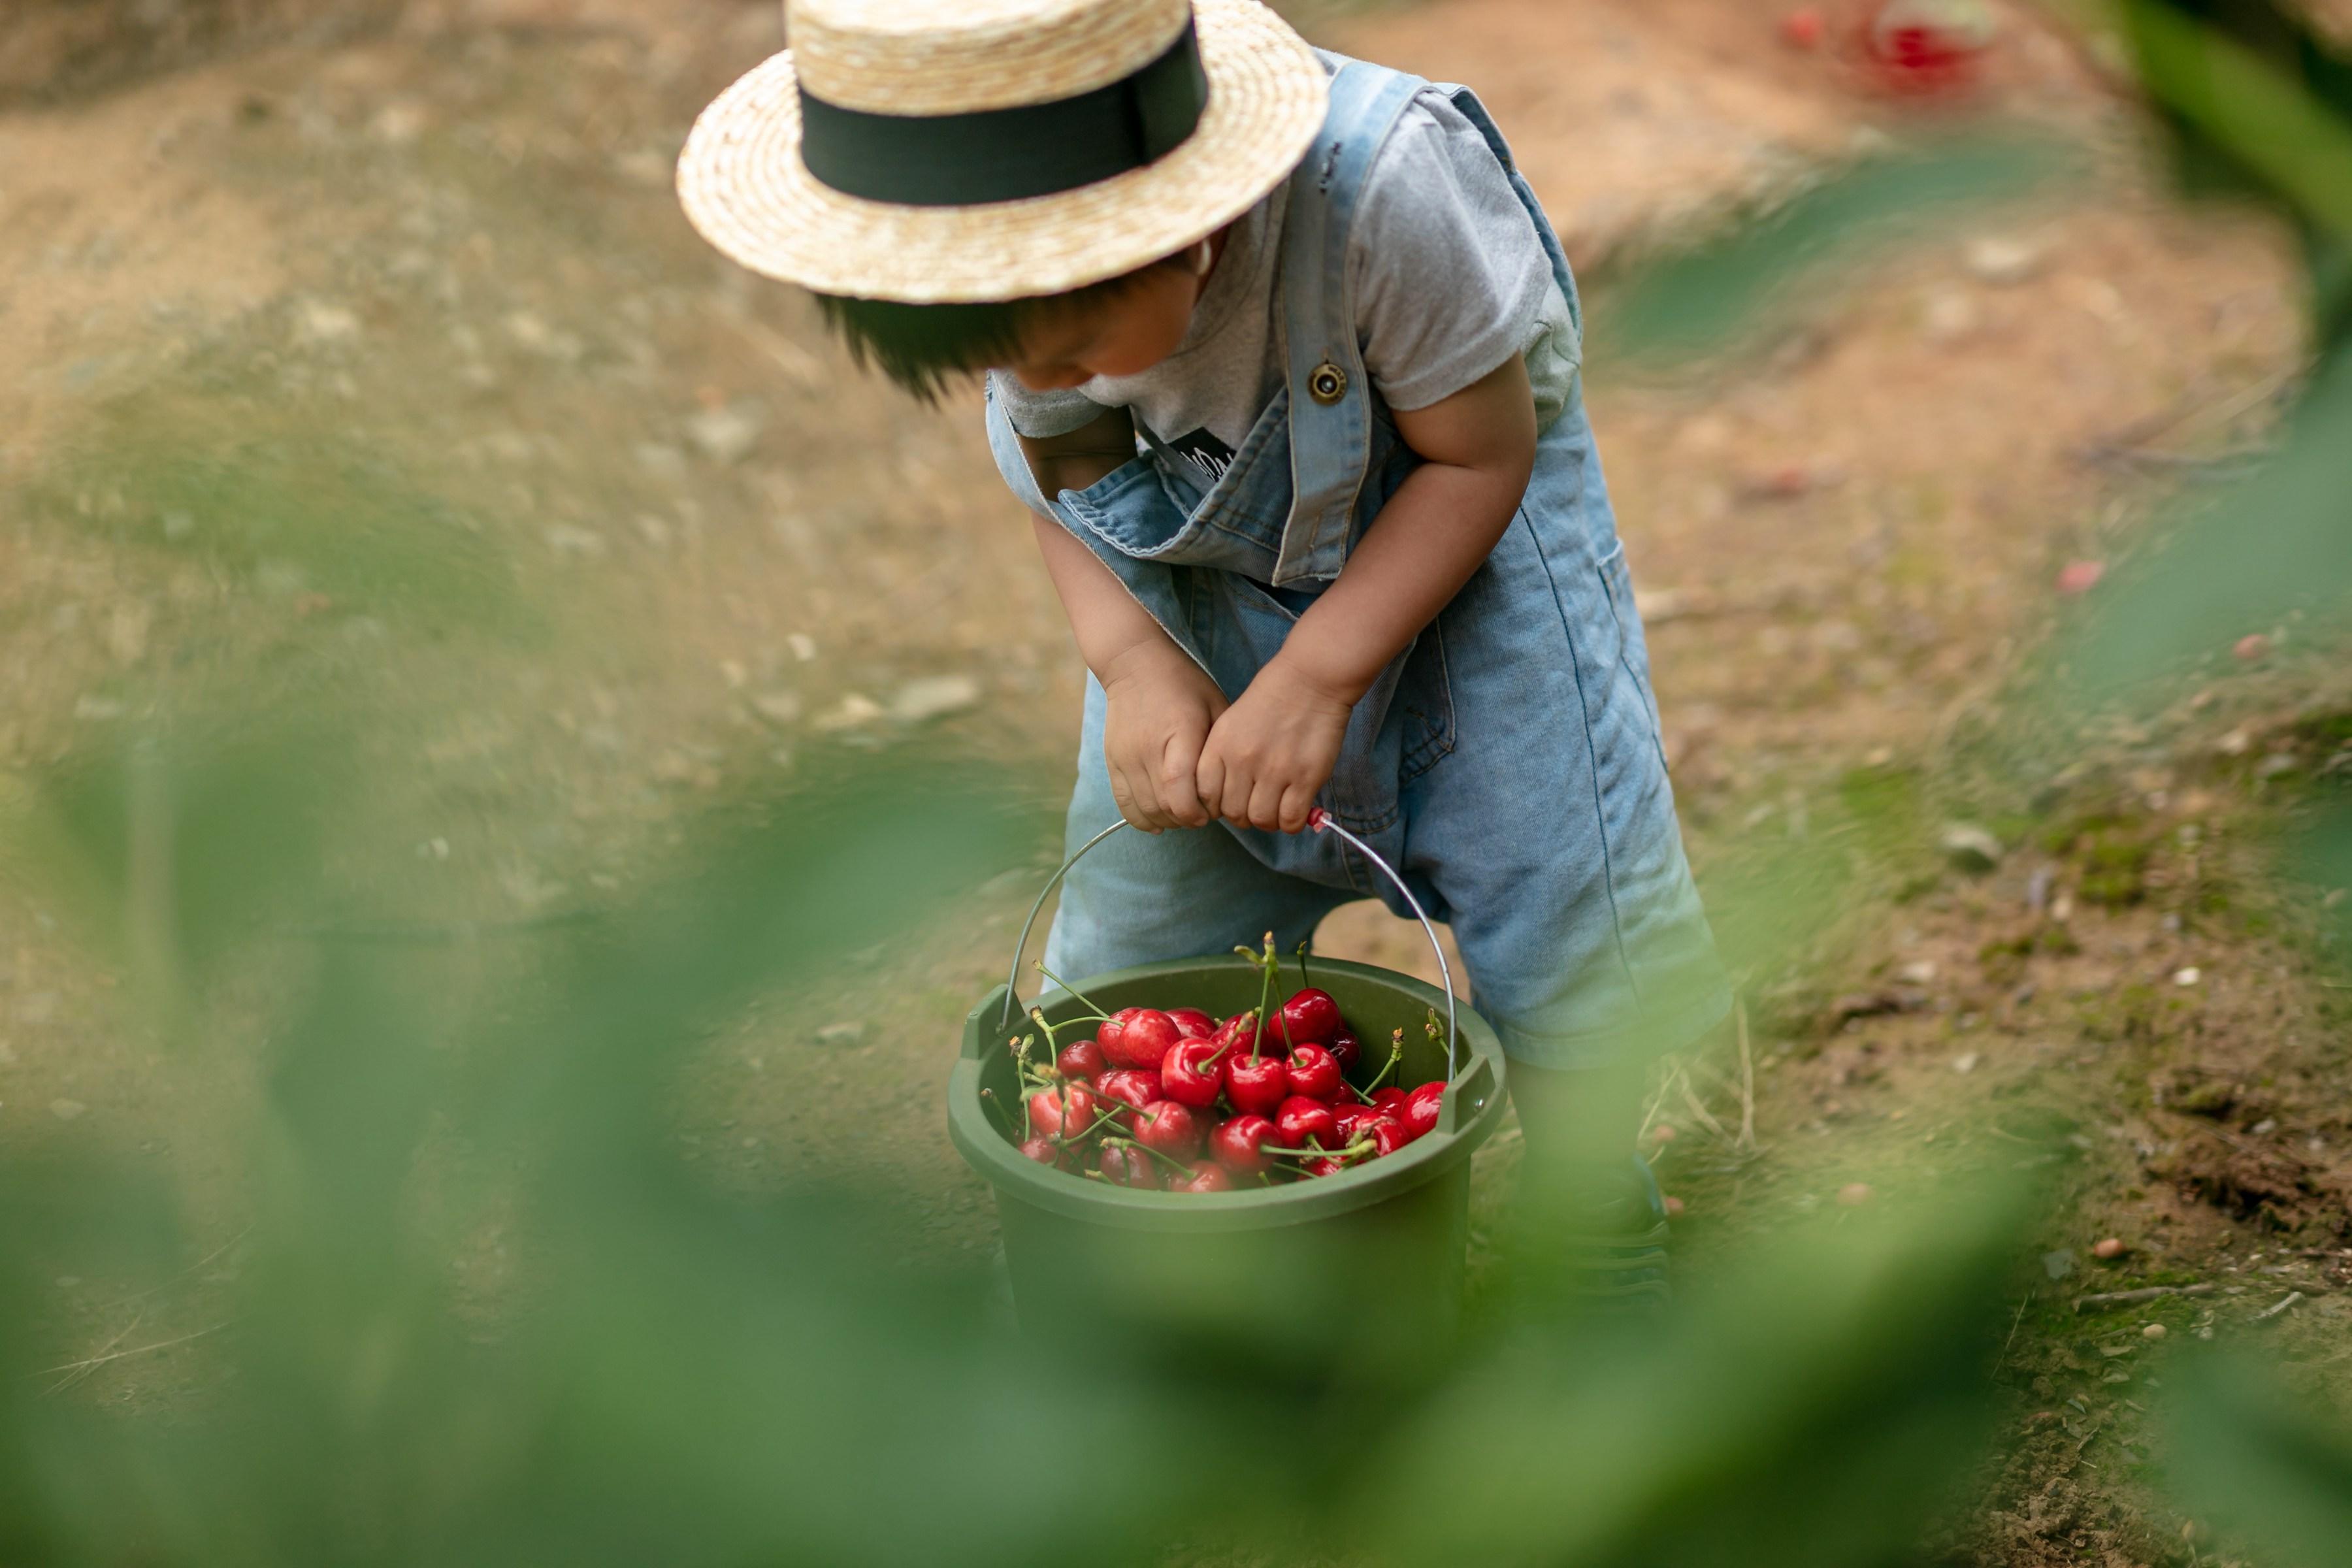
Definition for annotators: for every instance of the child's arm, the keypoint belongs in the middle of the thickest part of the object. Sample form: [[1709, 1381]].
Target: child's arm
[[1160, 703], [1075, 460], [1274, 747]]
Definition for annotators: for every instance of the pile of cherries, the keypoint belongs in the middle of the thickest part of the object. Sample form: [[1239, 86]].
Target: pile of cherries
[[1263, 1095]]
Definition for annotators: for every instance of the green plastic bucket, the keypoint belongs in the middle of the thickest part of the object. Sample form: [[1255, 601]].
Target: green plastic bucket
[[1361, 1271]]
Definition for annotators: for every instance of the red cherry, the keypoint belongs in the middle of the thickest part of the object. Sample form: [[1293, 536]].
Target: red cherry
[[1112, 1030], [1068, 1111], [1046, 1152], [1081, 1059], [1309, 1018], [1192, 1073], [1139, 1041], [1129, 1087], [1237, 1143], [1169, 1127], [1256, 1085], [1387, 1136], [1326, 1166], [1247, 1039], [1345, 1050], [1351, 1118], [1204, 1179], [1313, 1073], [1300, 1119], [1045, 1113], [1082, 1109], [1390, 1101], [1191, 1023], [1421, 1109], [1924, 48], [1128, 1166]]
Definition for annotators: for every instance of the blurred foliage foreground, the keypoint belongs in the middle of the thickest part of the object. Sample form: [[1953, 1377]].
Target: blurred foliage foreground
[[681, 1376], [677, 1375]]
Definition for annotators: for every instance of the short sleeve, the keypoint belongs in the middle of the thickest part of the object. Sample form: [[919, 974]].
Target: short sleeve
[[1040, 415], [1450, 276]]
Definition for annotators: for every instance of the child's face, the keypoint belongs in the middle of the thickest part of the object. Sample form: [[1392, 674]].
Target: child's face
[[1126, 334]]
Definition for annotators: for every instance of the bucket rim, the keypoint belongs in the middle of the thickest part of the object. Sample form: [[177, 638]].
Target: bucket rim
[[1472, 1110]]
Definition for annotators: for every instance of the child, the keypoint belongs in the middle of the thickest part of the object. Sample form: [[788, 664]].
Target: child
[[1283, 356]]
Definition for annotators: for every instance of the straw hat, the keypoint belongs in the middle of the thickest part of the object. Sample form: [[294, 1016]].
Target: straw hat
[[979, 150]]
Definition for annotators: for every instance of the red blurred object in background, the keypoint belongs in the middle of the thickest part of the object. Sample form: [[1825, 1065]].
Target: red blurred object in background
[[1928, 48], [1804, 28]]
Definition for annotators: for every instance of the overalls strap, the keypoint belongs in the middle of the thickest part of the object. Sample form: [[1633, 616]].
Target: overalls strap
[[1329, 394]]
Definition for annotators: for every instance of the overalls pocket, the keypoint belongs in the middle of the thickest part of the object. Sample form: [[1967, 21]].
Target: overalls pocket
[[1425, 704], [1137, 511]]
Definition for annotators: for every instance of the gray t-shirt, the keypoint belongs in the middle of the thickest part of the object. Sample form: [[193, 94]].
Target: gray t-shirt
[[1449, 276]]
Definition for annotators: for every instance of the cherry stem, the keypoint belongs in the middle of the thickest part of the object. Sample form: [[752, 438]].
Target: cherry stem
[[1111, 1116], [1170, 1161], [1396, 1055], [1100, 1011], [1265, 964], [1351, 1152], [988, 1098], [1304, 979], [1250, 1021], [1041, 1076]]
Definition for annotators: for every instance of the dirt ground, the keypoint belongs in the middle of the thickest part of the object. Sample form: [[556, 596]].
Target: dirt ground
[[444, 253]]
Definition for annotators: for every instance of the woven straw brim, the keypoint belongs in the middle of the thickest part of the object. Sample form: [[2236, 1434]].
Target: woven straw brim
[[744, 186]]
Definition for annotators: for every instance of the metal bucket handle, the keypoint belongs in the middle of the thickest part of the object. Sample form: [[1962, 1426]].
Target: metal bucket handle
[[1319, 821]]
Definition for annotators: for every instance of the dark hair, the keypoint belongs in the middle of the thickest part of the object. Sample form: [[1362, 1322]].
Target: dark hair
[[923, 348]]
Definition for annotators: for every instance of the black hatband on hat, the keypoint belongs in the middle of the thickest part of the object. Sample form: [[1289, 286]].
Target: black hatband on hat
[[1005, 154]]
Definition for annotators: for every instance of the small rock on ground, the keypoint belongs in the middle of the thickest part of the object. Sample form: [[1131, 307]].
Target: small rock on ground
[[1970, 848], [934, 697]]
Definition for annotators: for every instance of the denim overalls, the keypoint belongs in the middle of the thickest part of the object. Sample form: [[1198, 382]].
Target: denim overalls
[[1507, 763]]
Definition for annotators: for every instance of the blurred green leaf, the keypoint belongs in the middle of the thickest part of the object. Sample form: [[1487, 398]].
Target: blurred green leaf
[[2243, 557], [1813, 1410], [2259, 113], [2320, 854], [1704, 300], [679, 1376], [2261, 1465], [175, 847]]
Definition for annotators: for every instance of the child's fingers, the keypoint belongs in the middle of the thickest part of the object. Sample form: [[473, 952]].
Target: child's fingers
[[1180, 795], [1297, 801], [1208, 780], [1234, 797], [1147, 797], [1131, 805], [1265, 809]]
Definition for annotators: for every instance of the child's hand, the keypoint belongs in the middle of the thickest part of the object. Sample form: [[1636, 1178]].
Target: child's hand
[[1273, 751], [1158, 710]]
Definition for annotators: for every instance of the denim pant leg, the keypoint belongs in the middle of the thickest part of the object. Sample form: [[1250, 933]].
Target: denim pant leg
[[1549, 832], [1140, 898]]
